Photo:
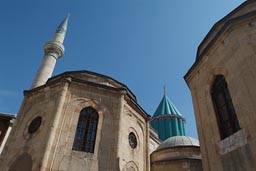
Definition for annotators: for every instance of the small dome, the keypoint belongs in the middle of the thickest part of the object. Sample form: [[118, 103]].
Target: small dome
[[178, 141]]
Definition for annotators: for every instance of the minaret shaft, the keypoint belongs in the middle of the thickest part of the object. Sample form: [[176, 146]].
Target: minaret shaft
[[45, 71], [53, 50]]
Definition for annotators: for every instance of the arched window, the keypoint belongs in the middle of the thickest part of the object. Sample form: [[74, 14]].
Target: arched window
[[226, 115], [86, 130]]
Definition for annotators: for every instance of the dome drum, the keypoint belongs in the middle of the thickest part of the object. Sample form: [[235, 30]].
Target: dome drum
[[177, 152]]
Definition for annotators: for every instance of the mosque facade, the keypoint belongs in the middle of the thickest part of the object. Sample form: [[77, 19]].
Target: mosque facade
[[82, 120]]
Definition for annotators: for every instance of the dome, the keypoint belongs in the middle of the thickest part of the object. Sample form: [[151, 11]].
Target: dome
[[178, 141]]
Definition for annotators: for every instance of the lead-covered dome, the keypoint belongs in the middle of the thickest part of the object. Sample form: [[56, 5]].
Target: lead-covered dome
[[177, 141], [177, 152]]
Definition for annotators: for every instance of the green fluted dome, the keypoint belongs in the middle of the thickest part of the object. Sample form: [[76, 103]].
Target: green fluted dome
[[166, 107], [167, 120]]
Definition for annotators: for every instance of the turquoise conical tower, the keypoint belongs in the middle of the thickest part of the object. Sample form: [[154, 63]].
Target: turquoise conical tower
[[167, 120]]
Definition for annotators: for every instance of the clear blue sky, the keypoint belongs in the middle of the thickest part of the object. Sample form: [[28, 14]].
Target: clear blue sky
[[141, 43]]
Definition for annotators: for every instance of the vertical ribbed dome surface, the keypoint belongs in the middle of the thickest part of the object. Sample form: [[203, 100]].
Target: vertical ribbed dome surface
[[166, 107]]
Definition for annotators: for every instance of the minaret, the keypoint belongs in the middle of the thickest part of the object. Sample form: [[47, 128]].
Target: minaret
[[53, 50]]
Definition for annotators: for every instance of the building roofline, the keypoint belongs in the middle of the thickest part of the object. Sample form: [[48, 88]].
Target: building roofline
[[225, 19], [93, 73], [173, 159], [180, 146], [68, 74], [212, 37], [8, 115]]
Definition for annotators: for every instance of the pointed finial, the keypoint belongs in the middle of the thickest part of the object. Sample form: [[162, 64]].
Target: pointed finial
[[164, 90], [64, 23], [61, 31]]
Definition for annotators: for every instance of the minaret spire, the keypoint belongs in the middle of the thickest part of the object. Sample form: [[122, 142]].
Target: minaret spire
[[64, 23], [164, 90], [53, 50]]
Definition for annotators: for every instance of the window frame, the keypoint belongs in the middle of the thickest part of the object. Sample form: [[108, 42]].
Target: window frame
[[86, 130], [224, 109]]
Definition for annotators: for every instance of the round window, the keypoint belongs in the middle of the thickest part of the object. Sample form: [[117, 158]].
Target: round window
[[34, 125], [132, 140]]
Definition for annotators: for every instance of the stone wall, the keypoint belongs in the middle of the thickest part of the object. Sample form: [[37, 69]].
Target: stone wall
[[178, 165], [33, 145], [180, 158], [233, 56]]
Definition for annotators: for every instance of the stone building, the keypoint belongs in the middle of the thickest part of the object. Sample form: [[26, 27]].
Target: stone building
[[82, 120], [222, 83], [69, 107]]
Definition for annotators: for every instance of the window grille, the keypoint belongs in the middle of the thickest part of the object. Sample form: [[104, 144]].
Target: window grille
[[86, 130], [225, 111]]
